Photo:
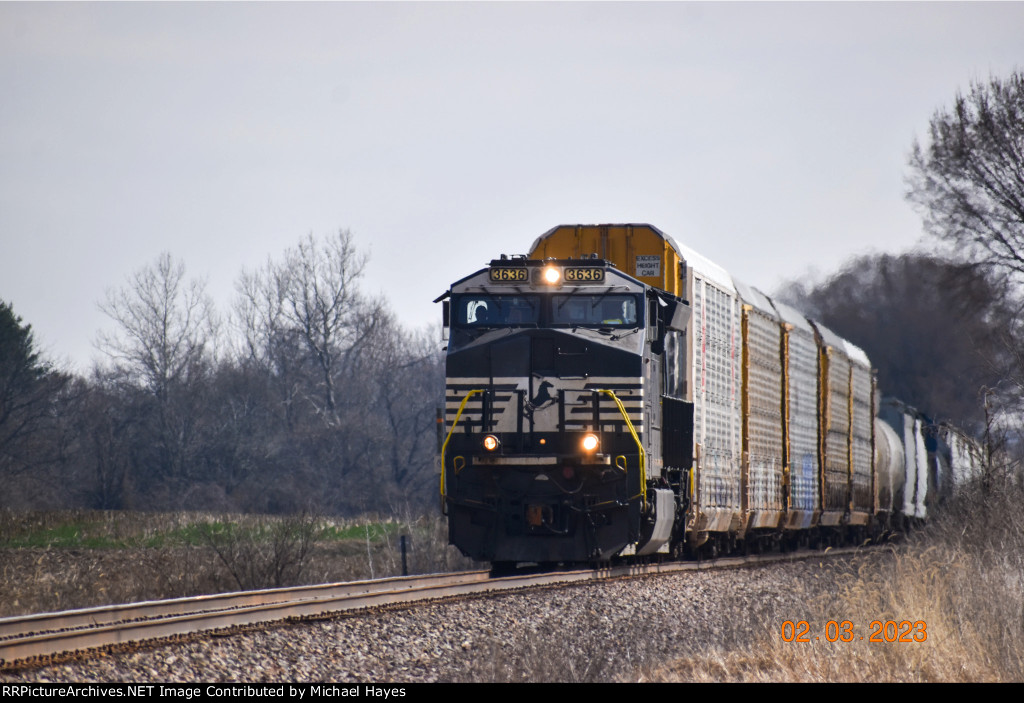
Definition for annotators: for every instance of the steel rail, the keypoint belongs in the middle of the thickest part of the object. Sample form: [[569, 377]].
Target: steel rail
[[109, 614], [46, 634], [25, 639]]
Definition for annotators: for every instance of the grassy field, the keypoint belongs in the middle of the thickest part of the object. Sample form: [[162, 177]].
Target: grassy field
[[66, 560]]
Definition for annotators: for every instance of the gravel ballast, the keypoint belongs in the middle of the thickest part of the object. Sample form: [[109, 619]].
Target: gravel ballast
[[609, 631]]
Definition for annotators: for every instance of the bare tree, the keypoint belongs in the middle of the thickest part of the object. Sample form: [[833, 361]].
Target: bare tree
[[164, 326], [968, 180], [270, 343], [163, 343], [409, 383], [107, 428], [313, 345], [259, 312], [324, 305]]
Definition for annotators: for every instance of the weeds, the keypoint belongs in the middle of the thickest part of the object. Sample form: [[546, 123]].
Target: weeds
[[268, 554], [73, 559]]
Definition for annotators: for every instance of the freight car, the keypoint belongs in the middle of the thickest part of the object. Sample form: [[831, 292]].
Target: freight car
[[615, 393]]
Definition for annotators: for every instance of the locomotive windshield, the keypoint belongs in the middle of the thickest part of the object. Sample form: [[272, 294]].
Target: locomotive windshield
[[497, 310], [533, 310], [601, 310]]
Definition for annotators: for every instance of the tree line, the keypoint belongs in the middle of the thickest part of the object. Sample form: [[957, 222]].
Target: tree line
[[306, 395], [309, 395]]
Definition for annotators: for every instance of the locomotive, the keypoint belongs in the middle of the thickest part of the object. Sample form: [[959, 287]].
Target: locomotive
[[615, 393]]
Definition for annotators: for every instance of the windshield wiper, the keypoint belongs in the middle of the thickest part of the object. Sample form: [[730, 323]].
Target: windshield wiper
[[606, 331], [626, 334], [568, 297]]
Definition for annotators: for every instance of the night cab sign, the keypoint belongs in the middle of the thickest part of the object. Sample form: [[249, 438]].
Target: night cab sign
[[571, 274]]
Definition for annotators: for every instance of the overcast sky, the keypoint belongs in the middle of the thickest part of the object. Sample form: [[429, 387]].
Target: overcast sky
[[772, 138]]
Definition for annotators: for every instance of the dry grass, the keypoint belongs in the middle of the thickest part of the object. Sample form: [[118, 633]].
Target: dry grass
[[75, 559], [962, 576]]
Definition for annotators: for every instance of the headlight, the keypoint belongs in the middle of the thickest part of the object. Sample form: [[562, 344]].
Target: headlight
[[491, 443], [552, 275], [590, 442]]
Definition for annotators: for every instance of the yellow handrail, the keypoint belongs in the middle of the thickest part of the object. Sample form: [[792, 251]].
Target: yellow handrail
[[640, 446], [444, 447]]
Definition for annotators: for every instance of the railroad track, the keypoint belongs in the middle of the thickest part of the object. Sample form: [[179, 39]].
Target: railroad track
[[29, 640]]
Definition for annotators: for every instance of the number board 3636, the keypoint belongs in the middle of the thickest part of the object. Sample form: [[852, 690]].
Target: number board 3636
[[509, 275], [590, 273]]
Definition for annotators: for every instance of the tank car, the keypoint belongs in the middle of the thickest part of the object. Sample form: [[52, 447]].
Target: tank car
[[936, 458], [615, 393]]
